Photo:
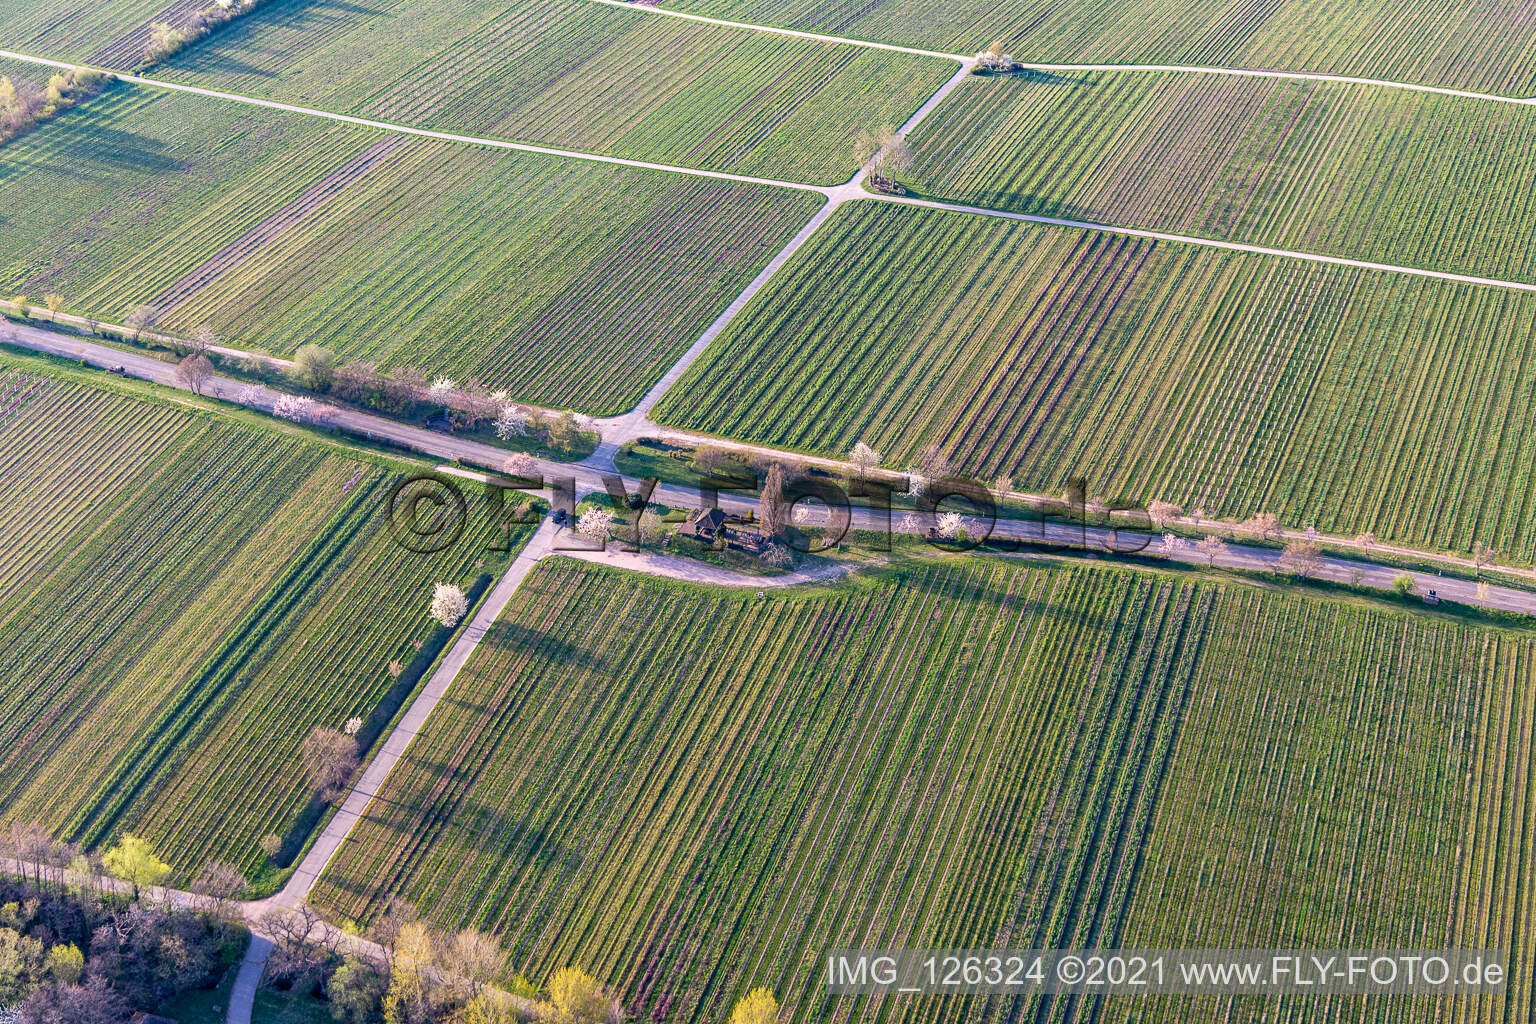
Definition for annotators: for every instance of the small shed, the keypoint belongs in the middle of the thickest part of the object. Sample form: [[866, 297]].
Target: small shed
[[705, 526]]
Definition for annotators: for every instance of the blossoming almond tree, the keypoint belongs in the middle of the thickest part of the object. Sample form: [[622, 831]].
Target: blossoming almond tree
[[448, 604]]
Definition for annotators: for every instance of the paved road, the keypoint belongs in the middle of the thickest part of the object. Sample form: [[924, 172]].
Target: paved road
[[1076, 539], [589, 478]]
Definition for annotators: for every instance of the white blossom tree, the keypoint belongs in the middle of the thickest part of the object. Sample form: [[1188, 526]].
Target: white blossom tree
[[1162, 513], [1303, 558], [520, 465], [511, 423], [442, 388], [296, 408], [1264, 525], [863, 456], [448, 604], [1171, 545], [949, 525], [595, 523]]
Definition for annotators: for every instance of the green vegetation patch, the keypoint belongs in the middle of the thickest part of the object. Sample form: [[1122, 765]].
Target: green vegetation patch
[[104, 33], [688, 791], [1384, 175], [1464, 44], [693, 793], [184, 600], [1346, 399], [577, 75], [567, 283]]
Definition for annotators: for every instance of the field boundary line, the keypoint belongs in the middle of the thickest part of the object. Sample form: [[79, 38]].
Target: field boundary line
[[1213, 243], [1305, 76], [775, 30], [1216, 69], [426, 133], [838, 193]]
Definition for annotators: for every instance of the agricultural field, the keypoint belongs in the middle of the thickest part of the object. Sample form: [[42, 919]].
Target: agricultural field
[[1345, 778], [691, 793], [21, 73], [1384, 175], [577, 75], [531, 273], [183, 600], [113, 34], [1345, 399], [1465, 44]]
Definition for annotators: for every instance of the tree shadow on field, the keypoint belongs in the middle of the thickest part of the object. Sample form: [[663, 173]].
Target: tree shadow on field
[[484, 829], [546, 647], [223, 62], [105, 149], [998, 593]]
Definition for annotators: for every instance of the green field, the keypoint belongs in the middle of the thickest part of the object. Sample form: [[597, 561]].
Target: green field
[[570, 284], [1468, 44], [184, 599], [112, 34], [577, 75], [1383, 175], [1346, 399], [690, 793]]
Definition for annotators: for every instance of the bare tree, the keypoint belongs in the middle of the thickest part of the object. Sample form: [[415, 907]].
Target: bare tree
[[297, 958], [866, 151], [194, 372], [1482, 555], [1265, 525], [475, 957], [1302, 558], [709, 459], [774, 510], [896, 158], [397, 914], [142, 319], [1162, 513], [330, 758], [1212, 547], [218, 885]]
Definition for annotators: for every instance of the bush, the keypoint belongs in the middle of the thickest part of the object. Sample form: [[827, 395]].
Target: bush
[[314, 367]]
